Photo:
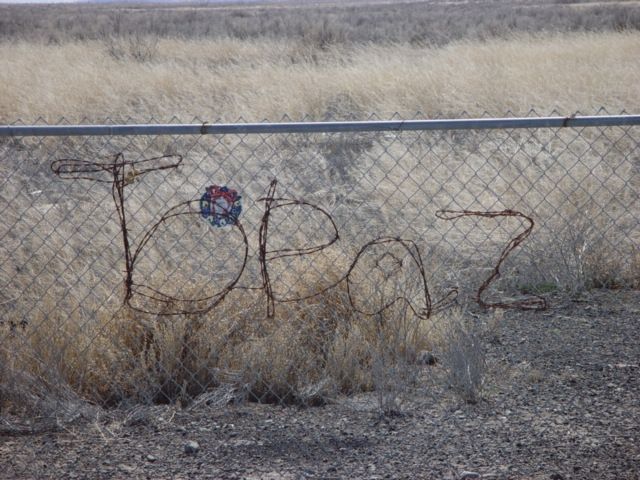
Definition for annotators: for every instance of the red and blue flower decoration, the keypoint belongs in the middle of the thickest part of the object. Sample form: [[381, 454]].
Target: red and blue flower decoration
[[220, 206]]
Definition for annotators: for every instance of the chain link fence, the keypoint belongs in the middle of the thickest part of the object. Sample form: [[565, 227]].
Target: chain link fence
[[297, 262]]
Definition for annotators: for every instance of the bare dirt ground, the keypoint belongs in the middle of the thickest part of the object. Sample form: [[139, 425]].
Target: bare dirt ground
[[562, 401]]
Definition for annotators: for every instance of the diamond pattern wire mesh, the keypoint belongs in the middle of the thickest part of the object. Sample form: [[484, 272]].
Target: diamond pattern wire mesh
[[65, 333]]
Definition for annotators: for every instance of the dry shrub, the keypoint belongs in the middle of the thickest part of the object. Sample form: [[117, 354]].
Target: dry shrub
[[137, 48], [464, 359], [595, 248], [296, 356], [307, 353], [586, 244], [46, 366]]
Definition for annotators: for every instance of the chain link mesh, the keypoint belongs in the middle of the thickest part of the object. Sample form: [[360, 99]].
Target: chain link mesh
[[337, 320]]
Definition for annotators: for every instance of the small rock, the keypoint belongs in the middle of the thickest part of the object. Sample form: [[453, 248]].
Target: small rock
[[126, 468], [151, 458], [556, 476], [191, 447], [469, 475]]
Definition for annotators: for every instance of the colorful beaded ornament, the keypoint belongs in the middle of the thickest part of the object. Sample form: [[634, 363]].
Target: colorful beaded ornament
[[220, 206]]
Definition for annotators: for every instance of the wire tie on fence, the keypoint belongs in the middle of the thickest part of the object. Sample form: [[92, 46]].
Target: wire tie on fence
[[565, 122]]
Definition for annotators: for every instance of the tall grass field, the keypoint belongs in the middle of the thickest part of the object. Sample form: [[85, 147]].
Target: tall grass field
[[228, 79]]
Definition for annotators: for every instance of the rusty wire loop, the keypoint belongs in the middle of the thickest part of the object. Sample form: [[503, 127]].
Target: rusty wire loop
[[272, 203], [121, 173], [195, 306]]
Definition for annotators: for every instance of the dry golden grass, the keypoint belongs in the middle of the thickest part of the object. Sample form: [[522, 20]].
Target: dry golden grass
[[309, 352], [227, 79]]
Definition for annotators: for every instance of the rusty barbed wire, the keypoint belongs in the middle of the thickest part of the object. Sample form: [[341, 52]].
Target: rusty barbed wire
[[211, 301], [121, 173], [272, 203], [534, 302]]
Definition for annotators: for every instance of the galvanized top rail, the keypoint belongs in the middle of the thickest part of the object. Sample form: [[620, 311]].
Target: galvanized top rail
[[317, 127]]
